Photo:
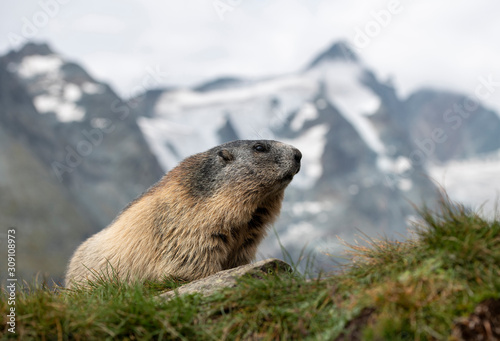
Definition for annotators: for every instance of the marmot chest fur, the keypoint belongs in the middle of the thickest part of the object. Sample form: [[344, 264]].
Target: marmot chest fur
[[207, 214]]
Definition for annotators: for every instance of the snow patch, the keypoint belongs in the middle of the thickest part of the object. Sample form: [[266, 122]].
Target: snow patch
[[92, 88], [45, 103], [295, 234], [398, 166], [309, 207], [72, 92], [405, 184], [172, 141], [312, 144], [306, 113], [402, 165], [36, 65], [100, 123], [65, 111]]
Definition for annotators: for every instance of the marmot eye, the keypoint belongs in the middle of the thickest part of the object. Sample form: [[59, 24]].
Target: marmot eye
[[260, 147]]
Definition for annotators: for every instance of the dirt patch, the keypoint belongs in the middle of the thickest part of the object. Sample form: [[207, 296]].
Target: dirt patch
[[354, 328], [483, 324]]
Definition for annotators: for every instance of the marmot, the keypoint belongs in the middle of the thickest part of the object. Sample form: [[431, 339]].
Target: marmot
[[207, 214]]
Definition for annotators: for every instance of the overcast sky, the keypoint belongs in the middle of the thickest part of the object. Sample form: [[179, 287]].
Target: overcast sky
[[449, 44]]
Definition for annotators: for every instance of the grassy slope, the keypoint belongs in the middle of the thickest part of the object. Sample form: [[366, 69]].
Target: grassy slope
[[402, 291]]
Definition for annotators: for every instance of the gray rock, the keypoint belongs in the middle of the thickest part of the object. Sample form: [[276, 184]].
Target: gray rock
[[228, 278]]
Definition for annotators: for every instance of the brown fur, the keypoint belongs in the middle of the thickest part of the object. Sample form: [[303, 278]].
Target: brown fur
[[207, 214]]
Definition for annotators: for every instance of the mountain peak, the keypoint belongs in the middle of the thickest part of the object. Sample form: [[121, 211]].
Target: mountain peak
[[29, 49], [32, 48], [338, 51]]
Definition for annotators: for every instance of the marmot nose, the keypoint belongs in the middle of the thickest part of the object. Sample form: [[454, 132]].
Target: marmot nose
[[297, 155]]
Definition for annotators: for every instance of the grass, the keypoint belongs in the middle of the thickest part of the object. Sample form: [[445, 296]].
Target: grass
[[411, 290]]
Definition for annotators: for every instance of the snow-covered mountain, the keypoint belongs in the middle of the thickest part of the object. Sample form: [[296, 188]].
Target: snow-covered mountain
[[350, 179], [366, 151], [83, 144]]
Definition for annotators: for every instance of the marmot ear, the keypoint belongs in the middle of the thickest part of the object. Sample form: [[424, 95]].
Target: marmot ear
[[226, 155]]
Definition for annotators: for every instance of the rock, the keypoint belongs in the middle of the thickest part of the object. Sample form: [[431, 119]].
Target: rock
[[228, 278], [482, 324]]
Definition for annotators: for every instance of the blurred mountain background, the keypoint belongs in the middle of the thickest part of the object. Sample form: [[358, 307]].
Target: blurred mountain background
[[74, 152]]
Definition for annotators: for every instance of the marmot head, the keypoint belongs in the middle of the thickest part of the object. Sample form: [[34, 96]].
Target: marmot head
[[247, 167]]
